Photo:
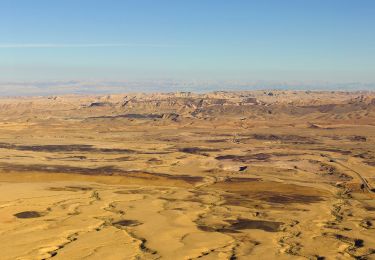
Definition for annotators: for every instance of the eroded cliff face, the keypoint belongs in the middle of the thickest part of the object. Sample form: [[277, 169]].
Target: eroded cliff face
[[261, 105]]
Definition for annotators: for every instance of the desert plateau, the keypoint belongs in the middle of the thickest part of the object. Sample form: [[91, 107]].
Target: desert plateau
[[221, 175]]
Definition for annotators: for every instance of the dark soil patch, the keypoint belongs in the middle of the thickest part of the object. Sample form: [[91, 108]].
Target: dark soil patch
[[28, 214], [253, 191], [133, 191], [155, 161], [282, 198], [333, 150], [295, 139], [122, 159], [69, 158], [242, 168], [126, 223], [248, 199], [241, 224], [64, 148], [287, 154], [371, 163], [358, 138], [100, 104], [235, 226], [216, 140], [186, 178], [104, 171], [216, 229], [365, 155], [238, 179], [131, 116], [245, 158], [239, 201], [71, 188], [206, 228], [198, 150]]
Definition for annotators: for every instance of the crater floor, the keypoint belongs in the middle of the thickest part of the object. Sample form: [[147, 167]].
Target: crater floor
[[225, 175]]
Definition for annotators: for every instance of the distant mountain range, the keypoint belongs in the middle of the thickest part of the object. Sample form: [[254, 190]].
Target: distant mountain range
[[45, 88]]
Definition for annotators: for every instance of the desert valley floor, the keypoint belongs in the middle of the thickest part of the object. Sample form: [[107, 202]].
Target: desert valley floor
[[224, 175]]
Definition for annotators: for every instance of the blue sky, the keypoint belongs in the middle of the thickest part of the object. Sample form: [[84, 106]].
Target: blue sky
[[271, 40]]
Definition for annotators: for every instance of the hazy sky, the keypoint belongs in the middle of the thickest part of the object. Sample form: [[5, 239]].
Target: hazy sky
[[289, 40]]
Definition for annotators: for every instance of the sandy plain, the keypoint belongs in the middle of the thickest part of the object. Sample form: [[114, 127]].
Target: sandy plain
[[224, 175]]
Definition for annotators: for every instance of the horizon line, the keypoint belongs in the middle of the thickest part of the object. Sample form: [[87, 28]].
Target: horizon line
[[83, 45]]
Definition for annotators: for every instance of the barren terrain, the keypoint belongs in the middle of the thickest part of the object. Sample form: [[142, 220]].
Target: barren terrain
[[224, 175]]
